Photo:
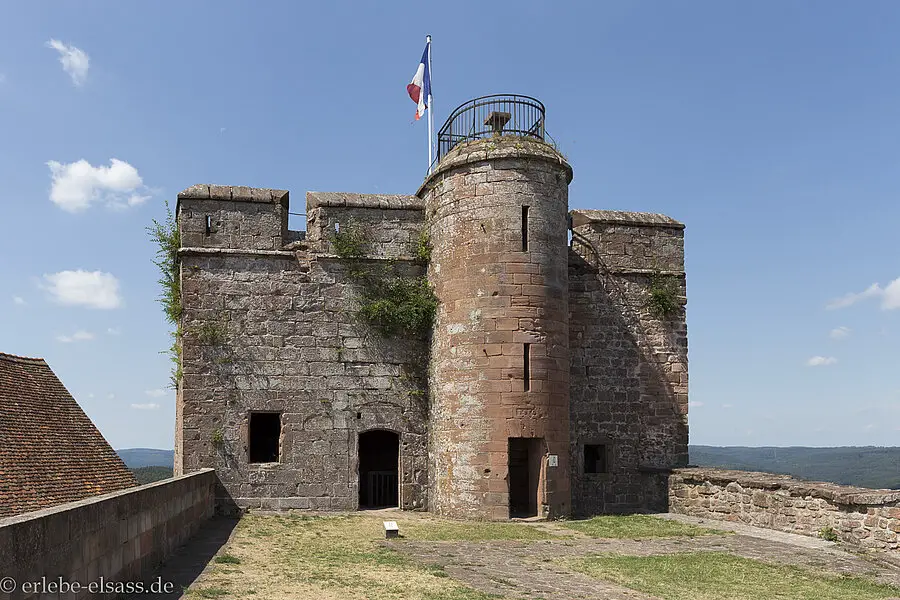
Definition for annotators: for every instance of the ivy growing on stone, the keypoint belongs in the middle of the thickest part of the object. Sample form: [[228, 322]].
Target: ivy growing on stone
[[167, 240], [390, 303], [350, 241], [663, 301]]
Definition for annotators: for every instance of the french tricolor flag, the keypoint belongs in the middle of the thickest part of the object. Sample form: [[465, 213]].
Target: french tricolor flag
[[419, 88]]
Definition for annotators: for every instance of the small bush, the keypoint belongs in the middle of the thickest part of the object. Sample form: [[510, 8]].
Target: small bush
[[398, 305], [349, 242], [828, 533], [423, 248], [663, 300]]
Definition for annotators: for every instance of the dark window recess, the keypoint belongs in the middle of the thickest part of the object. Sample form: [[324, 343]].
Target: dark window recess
[[524, 229], [526, 366], [208, 224], [265, 434], [595, 458]]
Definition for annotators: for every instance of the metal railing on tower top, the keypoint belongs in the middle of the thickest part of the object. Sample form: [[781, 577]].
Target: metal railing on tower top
[[489, 116]]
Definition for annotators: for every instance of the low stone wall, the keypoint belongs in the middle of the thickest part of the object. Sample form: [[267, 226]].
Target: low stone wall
[[862, 517], [119, 537]]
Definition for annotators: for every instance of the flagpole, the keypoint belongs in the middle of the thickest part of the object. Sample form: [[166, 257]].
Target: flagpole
[[430, 107]]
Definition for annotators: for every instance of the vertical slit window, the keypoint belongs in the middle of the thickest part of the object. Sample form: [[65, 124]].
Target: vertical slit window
[[208, 224], [526, 366], [524, 229]]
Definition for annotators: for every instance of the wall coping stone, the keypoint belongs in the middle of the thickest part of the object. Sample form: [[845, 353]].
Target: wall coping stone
[[234, 193], [833, 492], [353, 200], [190, 250], [60, 508], [621, 217], [495, 148]]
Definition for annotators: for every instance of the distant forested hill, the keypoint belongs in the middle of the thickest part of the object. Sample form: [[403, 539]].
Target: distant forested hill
[[151, 474], [146, 457], [865, 466]]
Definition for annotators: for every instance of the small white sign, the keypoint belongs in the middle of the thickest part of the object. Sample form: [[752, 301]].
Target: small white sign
[[391, 530], [553, 460]]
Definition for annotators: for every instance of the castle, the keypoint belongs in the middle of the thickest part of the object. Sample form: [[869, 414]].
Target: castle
[[551, 381]]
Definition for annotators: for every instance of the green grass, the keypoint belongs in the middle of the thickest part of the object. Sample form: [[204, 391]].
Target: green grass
[[445, 530], [636, 527], [721, 576], [341, 557], [210, 592]]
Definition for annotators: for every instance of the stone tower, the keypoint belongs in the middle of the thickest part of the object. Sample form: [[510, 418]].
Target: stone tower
[[496, 211]]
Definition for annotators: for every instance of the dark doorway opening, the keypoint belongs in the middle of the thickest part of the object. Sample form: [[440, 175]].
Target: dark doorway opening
[[525, 456], [379, 461], [265, 436]]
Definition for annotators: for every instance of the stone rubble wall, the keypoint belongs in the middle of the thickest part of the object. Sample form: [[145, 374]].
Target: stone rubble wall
[[862, 517], [276, 330], [121, 537], [629, 366]]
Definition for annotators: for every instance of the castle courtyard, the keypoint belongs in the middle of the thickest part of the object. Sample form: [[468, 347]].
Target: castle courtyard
[[638, 557]]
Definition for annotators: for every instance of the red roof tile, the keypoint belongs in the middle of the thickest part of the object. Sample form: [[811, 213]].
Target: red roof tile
[[50, 451]]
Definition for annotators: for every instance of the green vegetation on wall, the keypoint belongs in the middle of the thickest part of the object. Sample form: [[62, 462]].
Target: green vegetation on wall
[[389, 303], [167, 240], [663, 301]]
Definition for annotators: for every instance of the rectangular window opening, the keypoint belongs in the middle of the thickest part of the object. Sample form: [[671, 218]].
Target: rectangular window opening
[[524, 229], [595, 458], [208, 224], [526, 364], [265, 437]]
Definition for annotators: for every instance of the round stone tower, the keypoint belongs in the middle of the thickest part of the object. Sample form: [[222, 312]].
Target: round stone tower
[[496, 210]]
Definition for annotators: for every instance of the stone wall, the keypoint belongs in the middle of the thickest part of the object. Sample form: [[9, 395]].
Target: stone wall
[[628, 365], [273, 329], [392, 225], [495, 297], [862, 517], [121, 537]]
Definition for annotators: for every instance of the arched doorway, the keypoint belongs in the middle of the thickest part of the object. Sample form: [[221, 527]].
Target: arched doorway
[[379, 461]]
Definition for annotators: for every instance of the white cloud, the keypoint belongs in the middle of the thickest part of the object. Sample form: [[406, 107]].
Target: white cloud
[[93, 289], [114, 330], [110, 396], [157, 393], [694, 403], [147, 406], [821, 361], [75, 186], [727, 405], [19, 300], [78, 336], [839, 333], [75, 61], [889, 295]]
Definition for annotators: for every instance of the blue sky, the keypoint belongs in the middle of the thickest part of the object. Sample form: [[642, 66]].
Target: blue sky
[[770, 128]]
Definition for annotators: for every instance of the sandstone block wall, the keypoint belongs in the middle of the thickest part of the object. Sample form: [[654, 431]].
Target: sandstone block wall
[[862, 517], [392, 225], [272, 328], [495, 297], [122, 536], [628, 365]]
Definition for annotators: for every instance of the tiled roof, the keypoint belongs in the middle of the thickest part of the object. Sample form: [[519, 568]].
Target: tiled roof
[[50, 451]]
